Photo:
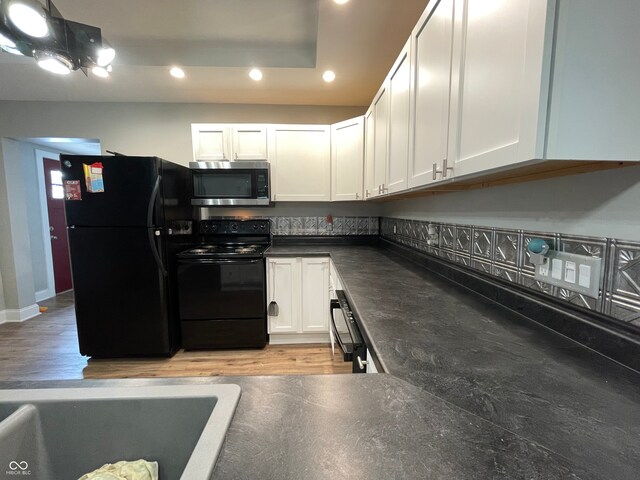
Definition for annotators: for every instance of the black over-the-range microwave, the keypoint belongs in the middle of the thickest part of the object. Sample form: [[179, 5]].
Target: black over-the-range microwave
[[230, 183]]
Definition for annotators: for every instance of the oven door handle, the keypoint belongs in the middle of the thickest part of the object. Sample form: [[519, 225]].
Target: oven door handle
[[335, 305], [216, 261]]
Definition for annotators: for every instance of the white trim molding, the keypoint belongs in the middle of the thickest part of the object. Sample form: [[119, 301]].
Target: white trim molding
[[44, 213], [288, 338], [19, 315]]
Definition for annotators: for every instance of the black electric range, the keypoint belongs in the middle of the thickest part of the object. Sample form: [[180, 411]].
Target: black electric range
[[222, 286]]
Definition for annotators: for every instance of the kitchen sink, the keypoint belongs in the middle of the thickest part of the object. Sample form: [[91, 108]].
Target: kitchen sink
[[61, 434]]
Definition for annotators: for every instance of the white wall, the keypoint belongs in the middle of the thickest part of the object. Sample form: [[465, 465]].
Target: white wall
[[604, 204], [161, 129], [136, 129], [15, 244]]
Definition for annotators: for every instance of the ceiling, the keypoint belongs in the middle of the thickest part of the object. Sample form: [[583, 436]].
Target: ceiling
[[76, 146], [216, 42]]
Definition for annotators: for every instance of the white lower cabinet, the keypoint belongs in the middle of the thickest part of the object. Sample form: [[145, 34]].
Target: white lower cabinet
[[371, 367], [298, 300]]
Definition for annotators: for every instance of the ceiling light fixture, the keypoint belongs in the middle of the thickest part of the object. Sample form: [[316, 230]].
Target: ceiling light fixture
[[34, 29], [29, 16], [53, 62], [176, 72], [100, 72], [105, 56], [328, 76], [340, 2], [9, 45], [255, 74]]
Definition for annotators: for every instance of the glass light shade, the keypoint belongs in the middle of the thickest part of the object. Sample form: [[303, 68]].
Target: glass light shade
[[53, 62], [105, 56], [6, 41], [100, 72], [30, 18]]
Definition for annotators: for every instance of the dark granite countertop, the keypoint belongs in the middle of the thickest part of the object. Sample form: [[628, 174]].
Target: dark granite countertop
[[473, 390], [491, 361]]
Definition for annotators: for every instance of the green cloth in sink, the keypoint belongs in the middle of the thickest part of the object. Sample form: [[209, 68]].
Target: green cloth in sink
[[138, 470]]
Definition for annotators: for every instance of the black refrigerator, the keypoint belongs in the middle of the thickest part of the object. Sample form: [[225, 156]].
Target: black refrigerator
[[124, 231]]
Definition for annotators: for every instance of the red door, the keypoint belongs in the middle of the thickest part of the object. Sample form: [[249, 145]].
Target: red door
[[57, 225]]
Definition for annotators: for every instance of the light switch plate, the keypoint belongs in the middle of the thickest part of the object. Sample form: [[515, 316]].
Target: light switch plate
[[554, 272]]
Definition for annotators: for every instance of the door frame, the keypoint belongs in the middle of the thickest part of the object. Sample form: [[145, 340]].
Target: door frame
[[50, 291]]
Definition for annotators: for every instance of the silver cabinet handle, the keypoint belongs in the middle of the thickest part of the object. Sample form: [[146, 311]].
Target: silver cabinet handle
[[362, 363], [445, 168], [367, 193], [357, 196], [384, 189], [379, 189], [436, 171]]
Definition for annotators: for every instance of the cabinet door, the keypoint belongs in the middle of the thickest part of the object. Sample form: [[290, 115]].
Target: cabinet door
[[301, 159], [399, 83], [369, 149], [210, 142], [503, 72], [283, 275], [431, 87], [249, 142], [380, 151], [315, 294], [347, 157]]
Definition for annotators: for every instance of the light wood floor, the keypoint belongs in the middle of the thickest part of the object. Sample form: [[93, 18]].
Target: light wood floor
[[46, 348]]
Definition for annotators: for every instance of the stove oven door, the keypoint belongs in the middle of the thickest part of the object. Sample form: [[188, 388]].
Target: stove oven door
[[222, 302]]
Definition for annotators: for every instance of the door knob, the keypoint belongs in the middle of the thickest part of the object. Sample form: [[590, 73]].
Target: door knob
[[51, 229]]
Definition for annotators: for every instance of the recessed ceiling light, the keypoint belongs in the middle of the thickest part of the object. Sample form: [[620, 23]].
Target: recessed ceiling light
[[341, 2], [53, 62], [255, 74], [29, 17], [176, 72], [100, 72], [328, 76]]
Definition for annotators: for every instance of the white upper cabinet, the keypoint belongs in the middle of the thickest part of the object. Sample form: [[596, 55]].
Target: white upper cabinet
[[430, 89], [249, 142], [369, 152], [594, 110], [220, 142], [380, 140], [500, 100], [347, 157], [301, 162], [398, 130], [210, 142]]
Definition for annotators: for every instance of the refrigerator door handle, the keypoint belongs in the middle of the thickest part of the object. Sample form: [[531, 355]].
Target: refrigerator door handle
[[154, 249], [154, 232], [152, 201]]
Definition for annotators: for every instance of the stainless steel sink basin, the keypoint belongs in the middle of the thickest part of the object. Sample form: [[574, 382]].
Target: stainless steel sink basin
[[60, 434]]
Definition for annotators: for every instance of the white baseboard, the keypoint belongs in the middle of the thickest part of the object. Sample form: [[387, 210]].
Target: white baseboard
[[19, 315], [44, 294], [293, 338]]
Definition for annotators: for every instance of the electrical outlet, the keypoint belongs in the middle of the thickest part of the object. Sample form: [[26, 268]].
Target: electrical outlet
[[432, 235], [578, 273]]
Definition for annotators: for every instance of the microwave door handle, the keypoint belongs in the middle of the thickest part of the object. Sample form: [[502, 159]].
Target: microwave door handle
[[335, 305]]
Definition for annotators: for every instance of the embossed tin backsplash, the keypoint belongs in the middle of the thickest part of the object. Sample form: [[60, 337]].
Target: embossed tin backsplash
[[312, 226], [504, 253]]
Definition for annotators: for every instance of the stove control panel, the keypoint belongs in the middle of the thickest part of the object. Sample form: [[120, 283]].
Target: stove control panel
[[235, 227]]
